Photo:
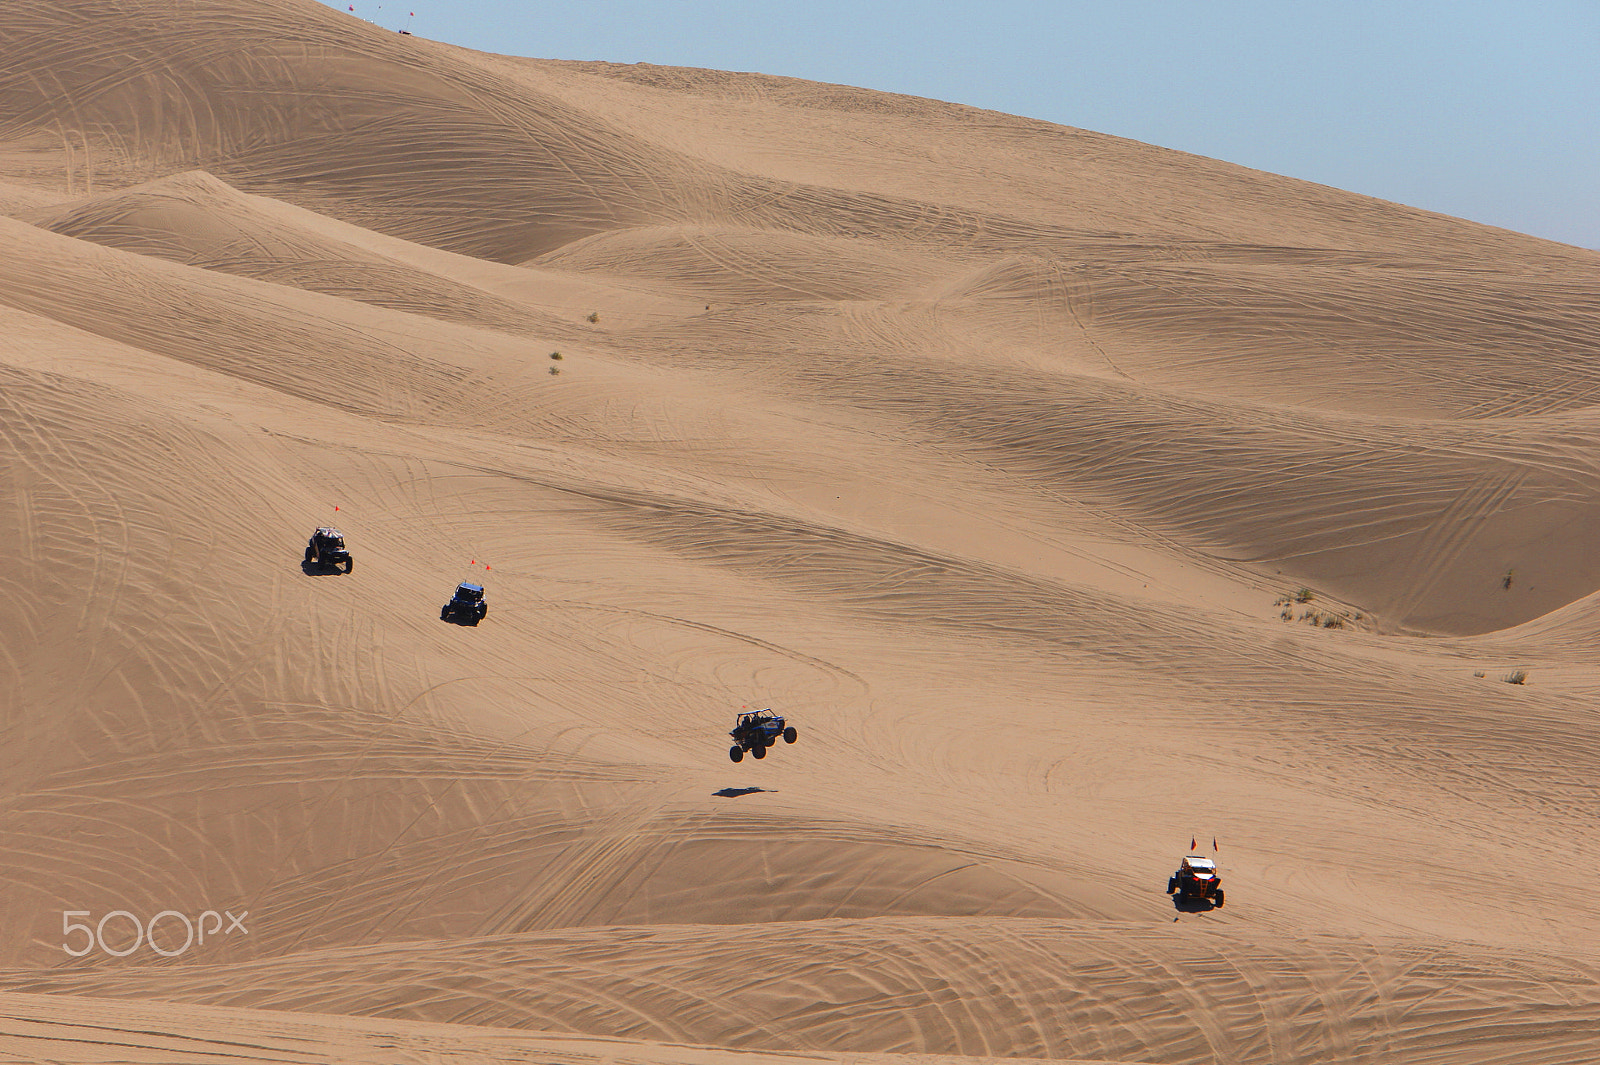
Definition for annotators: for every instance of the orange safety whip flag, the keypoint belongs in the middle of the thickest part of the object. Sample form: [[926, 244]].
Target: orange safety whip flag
[[1213, 843], [1193, 843]]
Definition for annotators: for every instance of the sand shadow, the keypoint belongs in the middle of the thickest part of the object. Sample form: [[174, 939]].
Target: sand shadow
[[466, 621], [1193, 904], [734, 793], [320, 569]]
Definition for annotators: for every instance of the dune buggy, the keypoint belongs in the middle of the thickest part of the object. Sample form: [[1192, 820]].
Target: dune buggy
[[466, 605], [326, 548], [1197, 878], [756, 731]]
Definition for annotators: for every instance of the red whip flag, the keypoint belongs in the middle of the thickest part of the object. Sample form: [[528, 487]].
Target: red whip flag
[[1193, 843], [1213, 843]]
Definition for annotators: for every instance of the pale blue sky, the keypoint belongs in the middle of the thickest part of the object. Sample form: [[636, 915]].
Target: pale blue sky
[[1485, 110]]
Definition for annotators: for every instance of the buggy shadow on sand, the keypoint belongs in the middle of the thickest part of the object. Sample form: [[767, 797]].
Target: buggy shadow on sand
[[1187, 904]]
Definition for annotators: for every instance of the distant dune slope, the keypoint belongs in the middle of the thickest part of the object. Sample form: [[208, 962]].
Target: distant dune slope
[[283, 88], [507, 159], [1080, 502], [1349, 331], [196, 220]]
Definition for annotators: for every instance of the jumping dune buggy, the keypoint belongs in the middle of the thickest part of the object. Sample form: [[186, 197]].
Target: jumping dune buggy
[[1197, 878], [326, 548], [755, 732], [466, 605]]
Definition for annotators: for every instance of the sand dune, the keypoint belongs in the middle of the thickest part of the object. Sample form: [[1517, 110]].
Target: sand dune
[[63, 1028], [197, 220], [1023, 988], [752, 265], [1074, 498]]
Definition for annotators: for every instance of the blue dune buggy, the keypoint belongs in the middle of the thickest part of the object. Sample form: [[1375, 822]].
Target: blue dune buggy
[[756, 731]]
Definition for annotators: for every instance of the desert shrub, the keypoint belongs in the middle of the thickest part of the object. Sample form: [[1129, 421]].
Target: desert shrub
[[1315, 617]]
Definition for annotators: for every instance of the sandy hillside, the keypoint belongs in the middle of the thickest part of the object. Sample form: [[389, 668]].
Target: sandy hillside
[[1073, 497]]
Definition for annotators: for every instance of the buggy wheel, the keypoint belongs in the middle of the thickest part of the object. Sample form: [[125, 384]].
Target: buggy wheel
[[790, 735], [444, 614], [1172, 884], [349, 564], [310, 554], [759, 750], [736, 753], [1218, 899], [483, 611]]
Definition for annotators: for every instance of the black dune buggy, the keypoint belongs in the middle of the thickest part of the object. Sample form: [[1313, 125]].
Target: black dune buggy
[[1197, 878], [466, 605], [756, 731], [326, 548]]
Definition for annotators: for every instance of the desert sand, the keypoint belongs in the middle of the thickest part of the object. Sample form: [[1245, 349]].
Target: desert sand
[[1075, 499]]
